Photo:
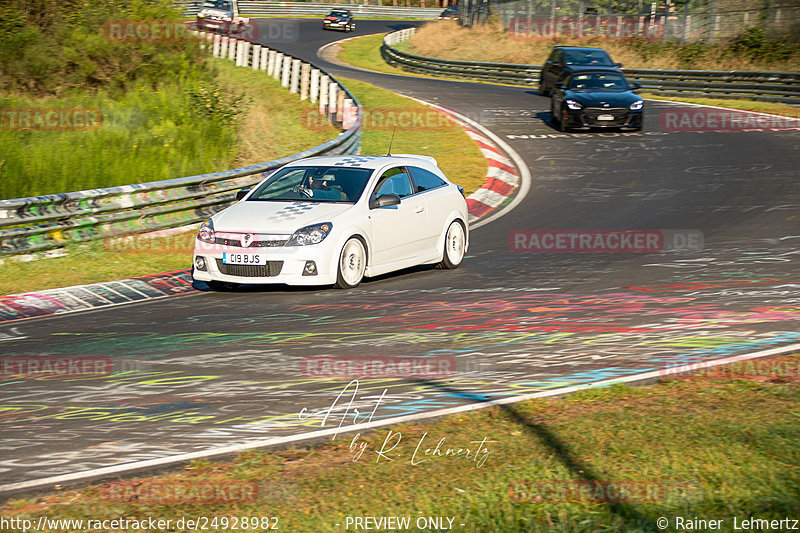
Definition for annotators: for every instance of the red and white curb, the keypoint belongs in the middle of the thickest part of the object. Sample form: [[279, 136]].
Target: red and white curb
[[508, 179]]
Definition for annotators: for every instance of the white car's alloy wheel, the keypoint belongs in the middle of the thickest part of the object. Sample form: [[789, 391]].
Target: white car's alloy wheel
[[454, 243], [352, 264]]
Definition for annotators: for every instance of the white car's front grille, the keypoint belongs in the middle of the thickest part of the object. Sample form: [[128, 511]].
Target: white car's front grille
[[271, 269]]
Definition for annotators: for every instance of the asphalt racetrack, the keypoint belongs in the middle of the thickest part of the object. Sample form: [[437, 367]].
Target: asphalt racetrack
[[206, 370]]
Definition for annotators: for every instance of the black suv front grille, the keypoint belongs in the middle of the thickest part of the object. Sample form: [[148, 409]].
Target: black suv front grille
[[271, 269], [620, 115]]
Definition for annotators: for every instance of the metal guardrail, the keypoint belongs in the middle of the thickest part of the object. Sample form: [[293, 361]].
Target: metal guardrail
[[256, 8], [783, 87], [53, 221]]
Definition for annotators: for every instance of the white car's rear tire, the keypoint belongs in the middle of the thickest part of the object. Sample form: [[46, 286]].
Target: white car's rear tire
[[352, 264], [455, 242]]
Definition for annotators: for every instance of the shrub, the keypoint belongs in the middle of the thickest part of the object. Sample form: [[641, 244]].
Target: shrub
[[48, 47]]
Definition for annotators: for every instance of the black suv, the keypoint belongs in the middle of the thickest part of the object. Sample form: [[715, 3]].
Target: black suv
[[564, 60]]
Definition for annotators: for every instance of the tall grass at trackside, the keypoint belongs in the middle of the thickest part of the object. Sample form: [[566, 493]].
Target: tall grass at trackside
[[146, 135], [151, 135], [718, 445], [491, 42]]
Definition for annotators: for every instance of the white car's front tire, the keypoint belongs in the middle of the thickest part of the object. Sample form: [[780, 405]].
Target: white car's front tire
[[455, 242], [352, 264]]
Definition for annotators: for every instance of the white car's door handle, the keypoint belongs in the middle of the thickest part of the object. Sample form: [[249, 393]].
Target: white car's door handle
[[420, 209]]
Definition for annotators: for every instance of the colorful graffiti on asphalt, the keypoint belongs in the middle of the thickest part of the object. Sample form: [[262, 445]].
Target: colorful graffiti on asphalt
[[505, 341]]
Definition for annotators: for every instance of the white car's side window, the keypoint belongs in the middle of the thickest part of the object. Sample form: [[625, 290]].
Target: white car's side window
[[394, 181]]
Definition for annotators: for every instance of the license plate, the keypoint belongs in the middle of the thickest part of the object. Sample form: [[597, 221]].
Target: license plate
[[605, 117], [243, 259]]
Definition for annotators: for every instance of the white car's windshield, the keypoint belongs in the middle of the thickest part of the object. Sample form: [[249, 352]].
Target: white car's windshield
[[314, 184], [598, 81]]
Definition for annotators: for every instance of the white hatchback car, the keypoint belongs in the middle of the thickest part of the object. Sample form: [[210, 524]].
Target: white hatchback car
[[335, 220]]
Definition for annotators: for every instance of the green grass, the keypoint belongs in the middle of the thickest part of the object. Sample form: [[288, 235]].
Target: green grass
[[274, 126], [150, 135], [365, 52], [711, 447], [110, 260], [145, 136]]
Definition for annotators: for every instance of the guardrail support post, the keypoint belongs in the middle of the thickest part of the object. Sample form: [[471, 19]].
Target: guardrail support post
[[332, 90], [276, 71], [294, 83], [305, 72], [287, 71], [215, 46], [340, 96], [264, 58], [348, 119], [256, 56], [232, 46], [244, 50], [223, 47], [323, 94], [314, 85], [271, 63]]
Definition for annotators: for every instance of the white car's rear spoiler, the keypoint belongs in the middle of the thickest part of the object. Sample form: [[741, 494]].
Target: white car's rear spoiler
[[427, 158]]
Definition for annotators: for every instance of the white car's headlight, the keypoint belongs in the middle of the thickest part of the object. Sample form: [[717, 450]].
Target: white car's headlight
[[206, 233], [572, 104], [637, 105], [313, 234]]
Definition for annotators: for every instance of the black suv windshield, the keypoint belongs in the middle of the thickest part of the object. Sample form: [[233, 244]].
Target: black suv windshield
[[594, 58], [314, 184], [343, 14], [597, 81]]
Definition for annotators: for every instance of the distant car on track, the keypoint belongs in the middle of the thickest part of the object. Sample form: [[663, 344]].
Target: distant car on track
[[564, 60], [335, 220], [339, 19], [221, 16], [596, 98], [451, 13]]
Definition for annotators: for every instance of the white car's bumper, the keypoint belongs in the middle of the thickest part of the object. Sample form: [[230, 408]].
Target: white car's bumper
[[285, 264]]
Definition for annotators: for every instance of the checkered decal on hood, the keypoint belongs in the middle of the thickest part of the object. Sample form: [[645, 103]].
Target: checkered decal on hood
[[290, 212]]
